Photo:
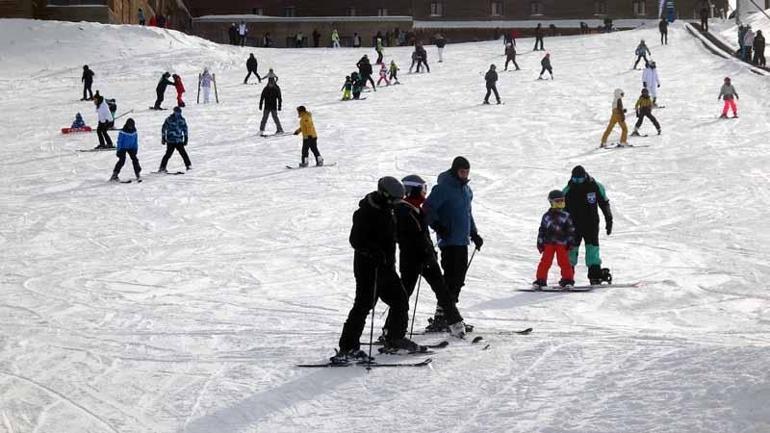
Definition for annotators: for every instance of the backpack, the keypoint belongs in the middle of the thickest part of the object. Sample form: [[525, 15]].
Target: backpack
[[113, 106]]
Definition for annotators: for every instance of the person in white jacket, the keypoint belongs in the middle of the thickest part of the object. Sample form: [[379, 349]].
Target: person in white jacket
[[206, 79], [335, 39], [651, 81], [105, 121], [748, 43]]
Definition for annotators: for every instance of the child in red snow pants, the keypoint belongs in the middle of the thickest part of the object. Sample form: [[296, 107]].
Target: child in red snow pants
[[562, 258], [730, 103]]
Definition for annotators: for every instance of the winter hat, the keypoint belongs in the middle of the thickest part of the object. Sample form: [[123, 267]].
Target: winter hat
[[414, 185], [129, 126], [645, 92], [391, 189], [492, 66], [178, 110], [460, 163], [727, 79], [301, 109], [556, 198]]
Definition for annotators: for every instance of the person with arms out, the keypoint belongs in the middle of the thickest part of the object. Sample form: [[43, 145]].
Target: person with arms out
[[641, 53], [175, 135], [251, 67], [555, 237], [309, 137], [270, 103], [128, 143], [206, 80]]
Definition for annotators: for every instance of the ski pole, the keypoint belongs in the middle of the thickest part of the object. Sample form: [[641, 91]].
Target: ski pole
[[371, 332], [416, 298], [471, 260]]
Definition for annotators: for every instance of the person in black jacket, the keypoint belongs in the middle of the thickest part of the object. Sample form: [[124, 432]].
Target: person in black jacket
[[539, 37], [663, 27], [546, 64], [373, 237], [440, 44], [88, 80], [365, 71], [232, 32], [584, 195], [160, 90], [251, 66], [270, 104], [510, 54], [759, 49], [491, 79]]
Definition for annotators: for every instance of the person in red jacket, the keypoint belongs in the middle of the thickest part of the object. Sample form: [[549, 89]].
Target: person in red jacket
[[179, 90]]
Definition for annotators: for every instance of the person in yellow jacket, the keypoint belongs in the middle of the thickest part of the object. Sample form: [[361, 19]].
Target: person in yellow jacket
[[309, 137], [619, 117]]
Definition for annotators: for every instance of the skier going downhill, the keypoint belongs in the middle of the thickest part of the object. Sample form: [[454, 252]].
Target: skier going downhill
[[555, 237], [641, 53], [128, 143], [729, 94], [644, 109], [270, 104], [251, 67]]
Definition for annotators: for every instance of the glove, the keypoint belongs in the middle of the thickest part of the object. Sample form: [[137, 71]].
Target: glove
[[260, 108], [163, 141], [609, 227], [477, 240], [540, 248], [185, 142]]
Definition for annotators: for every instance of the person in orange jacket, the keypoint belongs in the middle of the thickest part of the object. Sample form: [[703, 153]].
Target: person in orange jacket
[[309, 137], [179, 90]]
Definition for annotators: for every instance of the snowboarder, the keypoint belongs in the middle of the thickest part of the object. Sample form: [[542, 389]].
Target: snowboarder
[[206, 79], [251, 66], [729, 94], [618, 117], [510, 55], [440, 44], [309, 137], [335, 39], [179, 90], [347, 88], [243, 31], [393, 70], [546, 64], [651, 81], [373, 238], [759, 49], [555, 237], [449, 212], [160, 90], [583, 194], [641, 53], [644, 109], [174, 135], [128, 143], [271, 101], [383, 75], [365, 71], [663, 28], [539, 37], [105, 122], [491, 79], [88, 80]]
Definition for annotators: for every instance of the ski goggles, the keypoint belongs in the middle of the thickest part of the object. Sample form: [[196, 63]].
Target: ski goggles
[[424, 186], [578, 179]]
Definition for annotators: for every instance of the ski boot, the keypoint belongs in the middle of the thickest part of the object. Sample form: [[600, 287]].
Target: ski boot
[[594, 275], [437, 324], [539, 284], [319, 161], [393, 345], [114, 178], [344, 357], [303, 163], [723, 116], [457, 330], [606, 275], [567, 284], [635, 133], [659, 131]]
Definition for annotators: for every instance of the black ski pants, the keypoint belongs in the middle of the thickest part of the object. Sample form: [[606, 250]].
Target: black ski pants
[[246, 80], [122, 160], [414, 62], [310, 143], [87, 89], [388, 288], [539, 41], [423, 62], [101, 132], [490, 89], [159, 99], [511, 59], [664, 38], [546, 68], [266, 113], [410, 273], [648, 114], [759, 57], [368, 78], [454, 262], [170, 148], [379, 57], [640, 57]]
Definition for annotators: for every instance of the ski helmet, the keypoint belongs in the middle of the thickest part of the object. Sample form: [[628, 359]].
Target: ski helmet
[[390, 188], [414, 185]]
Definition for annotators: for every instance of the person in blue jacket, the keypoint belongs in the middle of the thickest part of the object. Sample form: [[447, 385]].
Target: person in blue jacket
[[128, 143], [174, 136], [449, 213]]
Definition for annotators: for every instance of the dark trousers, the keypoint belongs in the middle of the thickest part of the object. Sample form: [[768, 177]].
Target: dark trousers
[[759, 57], [101, 132], [179, 147], [539, 41], [414, 62], [664, 38], [379, 57], [368, 78], [640, 57], [748, 54], [159, 99], [410, 274], [647, 114], [243, 39], [491, 89], [87, 89], [546, 68], [266, 113], [454, 262], [122, 160], [310, 143], [394, 75], [423, 62], [511, 59], [388, 288], [246, 80], [704, 22]]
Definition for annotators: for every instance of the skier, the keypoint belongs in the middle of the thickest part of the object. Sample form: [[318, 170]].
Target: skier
[[347, 88], [651, 81], [393, 70], [335, 39], [242, 32], [510, 55], [309, 137], [206, 79], [251, 66], [417, 256], [174, 135], [365, 71], [583, 194], [491, 79], [271, 74], [555, 237], [759, 49], [728, 93], [160, 90], [440, 44], [546, 64], [539, 37], [271, 101], [379, 48], [373, 238], [449, 212], [105, 122], [663, 27], [383, 75], [358, 85], [179, 90], [641, 53], [423, 57], [618, 117], [88, 80], [128, 142], [644, 109]]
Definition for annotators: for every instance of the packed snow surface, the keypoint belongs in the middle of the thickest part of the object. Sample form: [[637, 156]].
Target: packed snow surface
[[182, 304]]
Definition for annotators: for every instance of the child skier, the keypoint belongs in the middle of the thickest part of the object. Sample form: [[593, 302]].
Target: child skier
[[347, 88], [394, 72], [309, 137], [546, 64], [383, 74], [644, 109], [555, 237], [641, 53], [728, 93], [174, 135], [206, 79], [179, 90], [618, 117], [128, 142]]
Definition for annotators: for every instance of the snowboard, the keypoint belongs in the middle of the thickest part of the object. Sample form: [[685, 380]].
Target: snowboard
[[74, 130], [293, 167], [580, 288], [278, 134], [170, 173], [130, 181]]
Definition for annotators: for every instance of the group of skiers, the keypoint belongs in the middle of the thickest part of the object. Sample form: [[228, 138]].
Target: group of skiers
[[752, 45], [160, 90]]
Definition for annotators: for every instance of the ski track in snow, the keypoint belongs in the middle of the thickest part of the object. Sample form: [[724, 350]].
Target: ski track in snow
[[181, 304]]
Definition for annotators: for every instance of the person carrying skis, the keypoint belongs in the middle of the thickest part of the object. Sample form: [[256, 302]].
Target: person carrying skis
[[555, 237], [206, 80], [491, 79], [449, 212], [251, 67], [105, 122], [393, 71], [663, 27], [271, 101], [174, 135], [583, 195], [383, 75], [160, 90], [335, 39], [618, 117], [539, 37], [510, 55], [417, 255], [651, 81], [179, 90], [641, 53], [373, 238], [365, 71], [347, 88], [128, 143], [358, 85], [309, 137], [546, 64], [729, 94], [644, 109], [88, 80]]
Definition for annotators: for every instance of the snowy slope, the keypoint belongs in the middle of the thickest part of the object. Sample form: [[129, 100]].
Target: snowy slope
[[181, 304]]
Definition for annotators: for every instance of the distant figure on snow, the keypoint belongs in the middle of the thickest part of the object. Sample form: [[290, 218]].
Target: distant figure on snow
[[270, 103], [491, 79], [251, 67], [729, 94], [206, 79], [179, 90], [88, 80], [546, 64], [160, 90]]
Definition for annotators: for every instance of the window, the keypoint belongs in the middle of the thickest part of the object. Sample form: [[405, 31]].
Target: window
[[436, 9], [351, 12], [290, 11], [497, 8], [640, 7], [600, 7], [382, 12], [536, 8]]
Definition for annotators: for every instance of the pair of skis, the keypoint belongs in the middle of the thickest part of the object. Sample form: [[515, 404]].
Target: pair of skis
[[214, 81]]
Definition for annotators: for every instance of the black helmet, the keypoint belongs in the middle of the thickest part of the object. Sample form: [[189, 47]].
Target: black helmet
[[555, 195], [391, 189], [414, 185]]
